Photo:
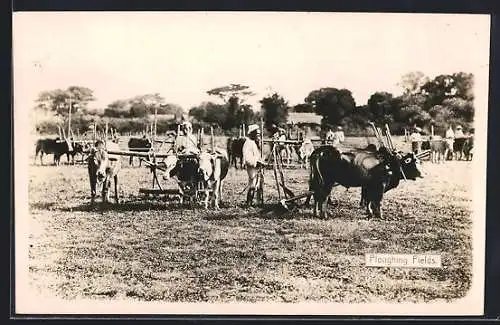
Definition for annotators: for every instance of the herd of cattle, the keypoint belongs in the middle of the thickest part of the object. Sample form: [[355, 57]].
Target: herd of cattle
[[441, 149], [375, 171]]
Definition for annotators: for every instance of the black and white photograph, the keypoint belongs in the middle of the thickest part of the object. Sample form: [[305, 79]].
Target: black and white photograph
[[270, 163]]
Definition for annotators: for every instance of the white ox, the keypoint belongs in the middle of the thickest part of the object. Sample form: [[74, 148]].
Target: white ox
[[104, 167]]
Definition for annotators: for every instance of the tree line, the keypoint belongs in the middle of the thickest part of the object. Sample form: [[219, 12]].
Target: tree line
[[443, 100]]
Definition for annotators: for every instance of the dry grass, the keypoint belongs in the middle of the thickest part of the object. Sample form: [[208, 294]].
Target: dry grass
[[160, 251]]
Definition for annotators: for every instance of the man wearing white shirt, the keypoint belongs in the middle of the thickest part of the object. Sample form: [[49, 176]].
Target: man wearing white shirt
[[416, 140], [252, 160], [187, 143], [339, 135]]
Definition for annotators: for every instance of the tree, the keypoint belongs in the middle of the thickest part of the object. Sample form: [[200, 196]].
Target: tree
[[383, 106], [412, 82], [118, 108], [331, 103], [233, 96], [463, 84], [460, 108], [169, 108], [414, 115], [210, 113], [232, 90], [59, 100], [274, 110]]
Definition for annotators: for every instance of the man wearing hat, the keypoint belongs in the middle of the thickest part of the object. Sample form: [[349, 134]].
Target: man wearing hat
[[416, 140], [459, 133], [186, 142], [339, 136], [252, 160], [329, 136], [449, 138]]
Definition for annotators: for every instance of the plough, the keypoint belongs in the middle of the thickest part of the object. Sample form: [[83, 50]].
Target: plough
[[289, 200]]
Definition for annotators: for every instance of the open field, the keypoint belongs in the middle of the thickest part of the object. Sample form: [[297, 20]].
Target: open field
[[160, 251]]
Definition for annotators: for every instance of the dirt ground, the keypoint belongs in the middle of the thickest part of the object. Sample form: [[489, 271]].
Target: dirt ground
[[151, 250]]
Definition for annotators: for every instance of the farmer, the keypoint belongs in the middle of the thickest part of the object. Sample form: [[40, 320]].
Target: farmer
[[186, 142], [338, 136], [450, 136], [459, 133], [330, 136], [252, 160], [416, 140]]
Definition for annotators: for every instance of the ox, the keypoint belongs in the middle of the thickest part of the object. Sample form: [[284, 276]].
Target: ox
[[439, 149], [213, 169], [78, 148], [459, 148], [235, 151], [53, 146], [304, 151], [207, 172], [140, 145], [374, 172], [468, 148], [103, 167]]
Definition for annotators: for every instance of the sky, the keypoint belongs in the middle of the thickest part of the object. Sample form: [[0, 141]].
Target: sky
[[182, 55]]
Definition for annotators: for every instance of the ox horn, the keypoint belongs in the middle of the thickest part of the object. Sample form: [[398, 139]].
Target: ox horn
[[377, 134]]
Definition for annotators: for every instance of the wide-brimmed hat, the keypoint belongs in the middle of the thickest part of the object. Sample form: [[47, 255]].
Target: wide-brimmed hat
[[253, 128], [339, 128]]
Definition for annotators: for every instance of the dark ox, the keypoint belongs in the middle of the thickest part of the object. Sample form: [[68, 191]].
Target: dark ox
[[103, 168], [459, 148], [138, 145], [375, 172], [206, 173], [56, 147], [468, 148], [78, 148], [235, 151]]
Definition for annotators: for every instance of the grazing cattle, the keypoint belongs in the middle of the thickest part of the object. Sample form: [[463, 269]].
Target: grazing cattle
[[53, 146], [304, 151], [139, 145], [213, 169], [102, 168], [458, 148], [374, 172], [468, 148], [439, 150], [235, 151]]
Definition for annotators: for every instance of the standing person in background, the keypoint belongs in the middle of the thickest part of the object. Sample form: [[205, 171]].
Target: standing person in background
[[252, 160], [330, 136], [459, 132], [450, 139], [416, 140], [339, 135]]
